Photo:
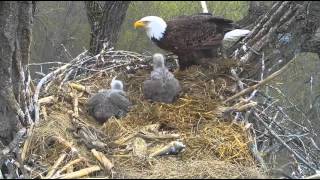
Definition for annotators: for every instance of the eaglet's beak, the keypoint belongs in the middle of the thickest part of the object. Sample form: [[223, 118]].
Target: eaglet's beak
[[139, 24]]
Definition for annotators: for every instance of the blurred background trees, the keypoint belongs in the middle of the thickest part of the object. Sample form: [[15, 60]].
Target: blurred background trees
[[66, 22]]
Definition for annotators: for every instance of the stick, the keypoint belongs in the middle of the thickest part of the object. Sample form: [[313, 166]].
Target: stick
[[44, 112], [261, 83], [80, 173], [254, 148], [140, 148], [173, 146], [79, 87], [68, 165], [240, 108], [47, 100], [43, 81], [27, 143], [75, 104], [107, 164], [65, 143], [284, 143], [159, 137], [247, 106], [315, 176], [55, 166]]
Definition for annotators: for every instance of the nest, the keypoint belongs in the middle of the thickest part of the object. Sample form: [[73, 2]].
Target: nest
[[67, 142]]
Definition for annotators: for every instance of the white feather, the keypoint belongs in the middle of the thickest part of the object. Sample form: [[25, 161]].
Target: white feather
[[235, 34], [204, 7]]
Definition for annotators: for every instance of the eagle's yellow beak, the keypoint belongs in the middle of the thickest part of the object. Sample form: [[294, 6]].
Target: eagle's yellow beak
[[139, 24]]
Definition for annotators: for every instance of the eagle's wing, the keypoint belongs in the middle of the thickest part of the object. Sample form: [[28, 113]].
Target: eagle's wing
[[194, 32]]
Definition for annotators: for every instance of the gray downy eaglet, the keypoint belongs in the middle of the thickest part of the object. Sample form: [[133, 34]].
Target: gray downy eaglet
[[162, 85], [108, 103]]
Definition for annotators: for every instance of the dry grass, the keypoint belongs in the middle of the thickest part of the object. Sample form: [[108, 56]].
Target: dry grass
[[215, 147]]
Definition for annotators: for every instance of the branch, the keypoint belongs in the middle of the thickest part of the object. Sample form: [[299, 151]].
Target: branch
[[80, 173], [46, 79], [284, 143], [261, 83]]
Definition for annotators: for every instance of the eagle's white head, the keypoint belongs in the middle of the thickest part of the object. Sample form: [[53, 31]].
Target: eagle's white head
[[154, 26]]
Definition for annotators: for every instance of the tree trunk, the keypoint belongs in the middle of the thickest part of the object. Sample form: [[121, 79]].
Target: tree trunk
[[105, 22], [255, 11], [278, 36], [16, 19]]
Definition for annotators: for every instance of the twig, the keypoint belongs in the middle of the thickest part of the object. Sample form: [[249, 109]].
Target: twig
[[40, 84], [79, 87], [44, 80], [47, 100], [55, 166], [65, 143], [254, 149], [315, 176], [261, 83], [155, 137], [44, 113], [75, 104], [58, 173], [27, 143], [284, 143], [262, 66], [139, 148], [46, 63], [80, 173], [173, 147], [107, 164]]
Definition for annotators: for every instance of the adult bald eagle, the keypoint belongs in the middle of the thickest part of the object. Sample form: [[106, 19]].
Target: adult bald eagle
[[189, 37]]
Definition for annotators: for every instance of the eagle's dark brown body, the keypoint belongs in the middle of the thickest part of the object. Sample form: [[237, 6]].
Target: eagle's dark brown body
[[194, 37]]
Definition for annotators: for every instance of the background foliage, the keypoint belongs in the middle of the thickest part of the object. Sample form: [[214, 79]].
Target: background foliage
[[65, 22]]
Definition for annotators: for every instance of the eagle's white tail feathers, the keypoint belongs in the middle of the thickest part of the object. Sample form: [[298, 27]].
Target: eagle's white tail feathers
[[234, 35], [204, 7]]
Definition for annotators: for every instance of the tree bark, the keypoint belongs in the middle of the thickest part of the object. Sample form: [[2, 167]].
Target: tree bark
[[16, 20], [278, 35], [255, 11], [105, 21]]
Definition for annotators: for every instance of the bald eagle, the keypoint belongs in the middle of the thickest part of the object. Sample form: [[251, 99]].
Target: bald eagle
[[189, 37]]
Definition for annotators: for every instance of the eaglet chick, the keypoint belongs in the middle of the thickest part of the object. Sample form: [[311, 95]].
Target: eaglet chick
[[108, 103], [162, 85]]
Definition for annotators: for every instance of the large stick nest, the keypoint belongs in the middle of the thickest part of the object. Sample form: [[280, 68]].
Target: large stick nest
[[215, 147]]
